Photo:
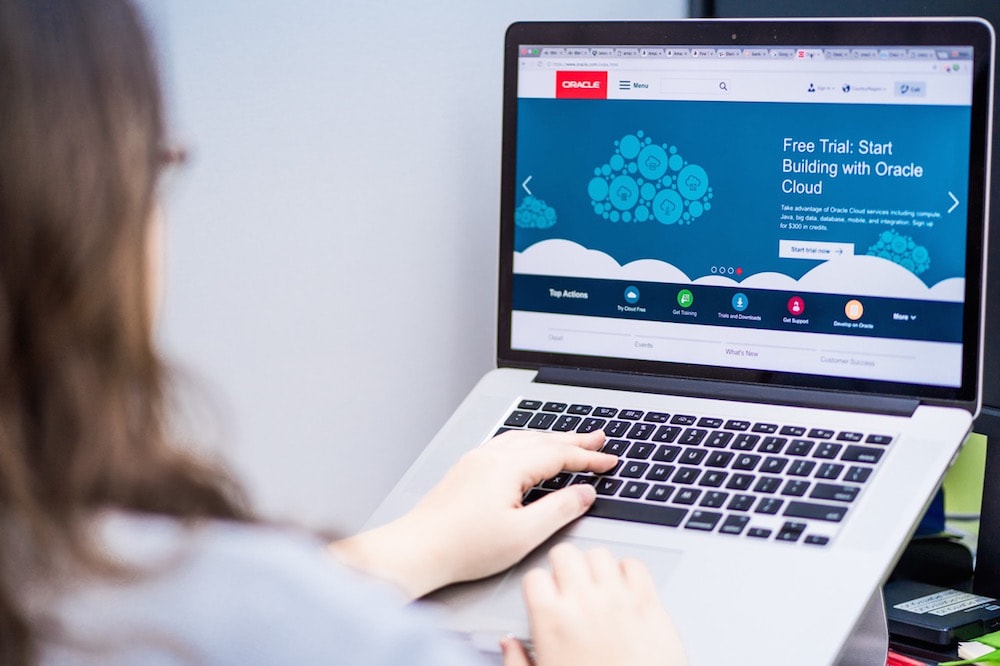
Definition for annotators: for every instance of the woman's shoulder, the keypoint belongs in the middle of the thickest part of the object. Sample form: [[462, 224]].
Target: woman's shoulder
[[225, 592]]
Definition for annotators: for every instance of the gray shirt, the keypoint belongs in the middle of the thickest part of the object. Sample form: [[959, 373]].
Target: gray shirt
[[224, 593]]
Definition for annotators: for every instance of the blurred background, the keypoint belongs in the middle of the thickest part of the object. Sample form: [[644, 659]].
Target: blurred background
[[332, 242]]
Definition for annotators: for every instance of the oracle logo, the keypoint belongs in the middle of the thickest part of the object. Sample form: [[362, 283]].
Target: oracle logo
[[581, 85]]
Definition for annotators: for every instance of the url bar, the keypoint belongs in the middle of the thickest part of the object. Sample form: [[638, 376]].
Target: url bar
[[694, 86]]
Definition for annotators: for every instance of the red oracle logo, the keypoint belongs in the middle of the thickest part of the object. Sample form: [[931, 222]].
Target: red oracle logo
[[581, 85]]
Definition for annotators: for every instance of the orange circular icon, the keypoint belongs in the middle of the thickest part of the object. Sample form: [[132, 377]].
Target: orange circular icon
[[854, 309]]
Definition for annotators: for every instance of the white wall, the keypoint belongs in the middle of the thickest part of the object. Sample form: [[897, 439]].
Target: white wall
[[332, 243]]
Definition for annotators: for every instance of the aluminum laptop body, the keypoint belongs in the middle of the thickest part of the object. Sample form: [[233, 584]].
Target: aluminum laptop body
[[745, 224]]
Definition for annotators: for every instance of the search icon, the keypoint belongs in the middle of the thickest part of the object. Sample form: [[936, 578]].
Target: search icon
[[723, 86]]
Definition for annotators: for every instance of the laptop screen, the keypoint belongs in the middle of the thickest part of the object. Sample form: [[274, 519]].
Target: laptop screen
[[808, 212]]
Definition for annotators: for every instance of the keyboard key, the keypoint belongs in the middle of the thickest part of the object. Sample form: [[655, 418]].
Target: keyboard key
[[713, 478], [801, 468], [684, 419], [542, 420], [829, 471], [608, 486], [858, 474], [687, 496], [634, 489], [741, 481], [630, 414], [746, 462], [795, 488], [820, 433], [793, 431], [693, 436], [534, 494], [518, 419], [774, 465], [616, 428], [772, 445], [719, 459], [848, 436], [741, 502], [580, 410], [734, 524], [833, 514], [638, 512], [863, 454], [558, 481], [687, 475], [790, 531], [692, 456], [501, 431], [766, 428], [557, 407], [616, 447], [529, 404], [660, 493], [566, 423], [828, 491], [585, 479], [745, 442], [816, 540], [656, 417], [767, 484], [737, 424], [605, 412], [640, 450], [800, 447], [759, 533], [590, 425], [641, 431], [666, 453], [718, 439], [827, 450], [709, 422], [634, 469], [714, 499], [878, 439], [703, 520], [666, 434], [660, 472], [769, 505]]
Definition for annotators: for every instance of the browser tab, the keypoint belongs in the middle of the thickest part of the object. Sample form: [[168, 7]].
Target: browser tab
[[809, 54], [702, 53], [729, 53], [627, 52], [782, 54], [551, 51], [602, 51], [754, 53], [864, 54], [892, 54], [577, 52], [837, 54], [651, 53], [922, 54], [678, 53]]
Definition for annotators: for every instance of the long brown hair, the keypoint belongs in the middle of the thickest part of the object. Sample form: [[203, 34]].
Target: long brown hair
[[82, 416]]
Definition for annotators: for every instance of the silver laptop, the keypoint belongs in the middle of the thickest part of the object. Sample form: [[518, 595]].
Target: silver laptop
[[752, 252]]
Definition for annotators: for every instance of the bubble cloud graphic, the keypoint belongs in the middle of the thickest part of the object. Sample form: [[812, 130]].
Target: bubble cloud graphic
[[645, 181]]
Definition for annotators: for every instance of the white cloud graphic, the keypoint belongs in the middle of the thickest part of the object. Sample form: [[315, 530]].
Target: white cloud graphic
[[857, 275]]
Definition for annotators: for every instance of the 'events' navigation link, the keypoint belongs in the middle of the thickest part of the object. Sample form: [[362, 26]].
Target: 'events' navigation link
[[932, 321]]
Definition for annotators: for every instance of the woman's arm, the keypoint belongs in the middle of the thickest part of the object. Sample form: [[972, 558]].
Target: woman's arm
[[472, 523]]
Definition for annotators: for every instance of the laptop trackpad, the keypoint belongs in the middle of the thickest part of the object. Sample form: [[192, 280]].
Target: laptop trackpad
[[508, 601]]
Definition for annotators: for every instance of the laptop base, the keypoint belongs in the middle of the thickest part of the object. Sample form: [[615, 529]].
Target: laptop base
[[869, 642]]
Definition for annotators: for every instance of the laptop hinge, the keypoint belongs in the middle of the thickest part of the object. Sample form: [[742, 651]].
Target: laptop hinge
[[700, 388]]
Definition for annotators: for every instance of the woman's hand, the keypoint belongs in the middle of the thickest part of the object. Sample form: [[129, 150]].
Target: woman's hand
[[594, 610], [472, 523]]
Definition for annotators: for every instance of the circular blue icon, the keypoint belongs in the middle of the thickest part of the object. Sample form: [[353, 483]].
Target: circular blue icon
[[740, 301], [632, 294]]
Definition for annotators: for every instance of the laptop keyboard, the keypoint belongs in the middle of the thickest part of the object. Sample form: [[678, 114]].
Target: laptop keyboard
[[785, 482]]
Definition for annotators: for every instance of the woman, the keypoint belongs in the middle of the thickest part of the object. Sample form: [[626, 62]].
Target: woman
[[118, 548]]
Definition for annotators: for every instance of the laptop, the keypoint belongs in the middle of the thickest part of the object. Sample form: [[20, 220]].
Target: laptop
[[752, 252]]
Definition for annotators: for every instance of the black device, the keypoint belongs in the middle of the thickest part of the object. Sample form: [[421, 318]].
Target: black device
[[938, 615]]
